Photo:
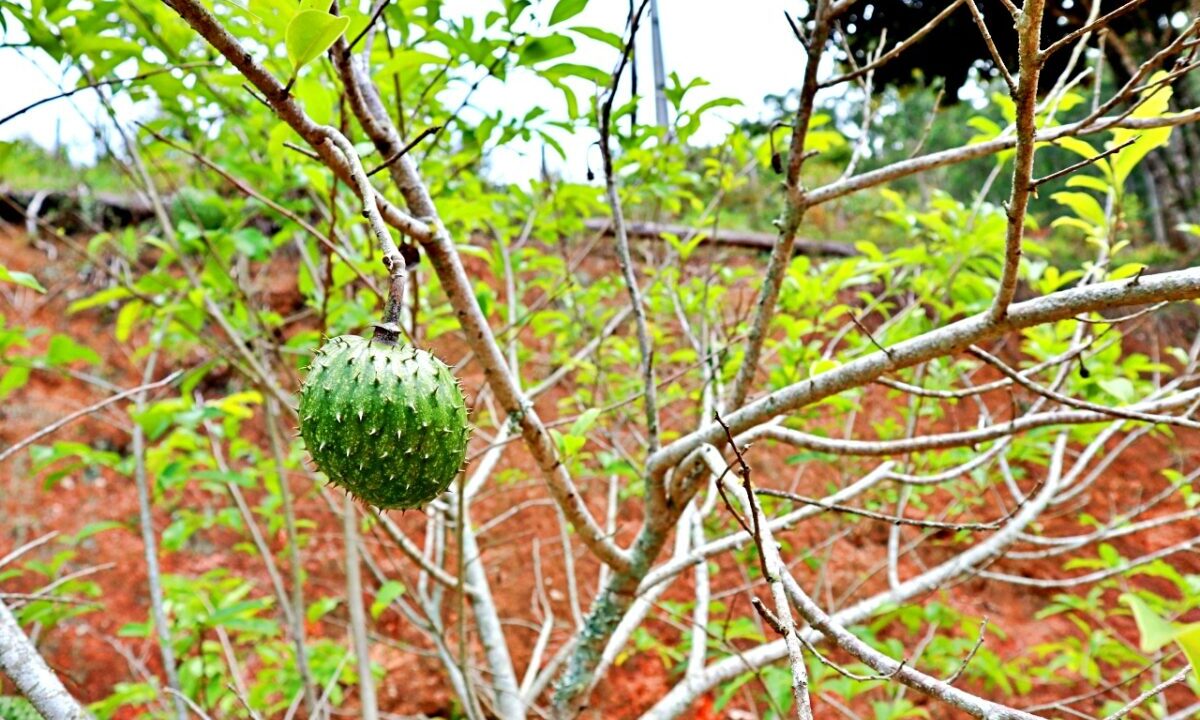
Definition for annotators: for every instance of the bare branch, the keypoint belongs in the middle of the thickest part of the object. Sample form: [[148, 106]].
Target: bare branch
[[1158, 689], [443, 256], [1075, 403], [974, 649], [1029, 34], [991, 46], [32, 544], [952, 156], [882, 517], [285, 106], [833, 626], [33, 678], [898, 49], [796, 199], [59, 424], [1100, 22], [1178, 285], [105, 83], [625, 260], [1084, 163], [774, 572]]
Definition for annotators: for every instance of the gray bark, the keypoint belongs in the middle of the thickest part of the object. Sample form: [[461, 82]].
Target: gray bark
[[21, 663]]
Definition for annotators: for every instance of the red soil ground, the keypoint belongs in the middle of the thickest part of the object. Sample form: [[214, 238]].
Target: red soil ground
[[84, 650]]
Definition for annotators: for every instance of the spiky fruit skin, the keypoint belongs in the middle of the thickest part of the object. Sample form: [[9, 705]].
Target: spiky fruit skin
[[386, 422]]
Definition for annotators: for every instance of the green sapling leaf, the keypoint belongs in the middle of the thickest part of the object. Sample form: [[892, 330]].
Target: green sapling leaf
[[310, 33]]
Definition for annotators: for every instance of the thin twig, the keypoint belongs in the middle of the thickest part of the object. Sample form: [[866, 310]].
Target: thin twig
[[623, 255], [59, 424], [1085, 162], [189, 702], [852, 675], [293, 554], [862, 328], [405, 150], [358, 622], [104, 83], [142, 481], [744, 471], [1096, 25], [797, 204], [895, 51], [991, 46], [302, 150], [971, 655], [883, 517], [249, 191], [18, 552], [1175, 679], [370, 23]]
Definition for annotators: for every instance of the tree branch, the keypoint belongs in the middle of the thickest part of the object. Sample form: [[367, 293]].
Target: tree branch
[[59, 424], [1029, 36], [797, 203], [946, 340], [21, 663]]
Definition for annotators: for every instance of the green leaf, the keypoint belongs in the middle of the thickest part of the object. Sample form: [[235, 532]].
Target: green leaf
[[139, 630], [23, 279], [1088, 181], [566, 9], [568, 444], [1155, 631], [1153, 104], [546, 48], [238, 404], [130, 313], [1127, 270], [568, 96], [94, 528], [14, 379], [388, 592], [310, 33], [1075, 223], [585, 421], [1120, 388], [611, 39], [729, 689], [1188, 640], [587, 72], [1083, 205], [406, 59], [1081, 148], [987, 128], [101, 298], [320, 608], [64, 351]]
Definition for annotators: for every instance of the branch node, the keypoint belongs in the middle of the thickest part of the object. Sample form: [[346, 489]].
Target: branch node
[[770, 618]]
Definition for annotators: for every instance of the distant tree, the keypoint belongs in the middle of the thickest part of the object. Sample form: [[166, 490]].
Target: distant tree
[[955, 47]]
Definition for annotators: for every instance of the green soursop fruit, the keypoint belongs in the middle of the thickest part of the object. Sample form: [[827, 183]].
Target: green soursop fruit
[[386, 422]]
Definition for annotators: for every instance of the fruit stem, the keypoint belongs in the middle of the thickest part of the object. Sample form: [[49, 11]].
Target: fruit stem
[[388, 331]]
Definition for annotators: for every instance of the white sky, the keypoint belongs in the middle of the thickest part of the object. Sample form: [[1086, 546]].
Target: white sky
[[746, 54]]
